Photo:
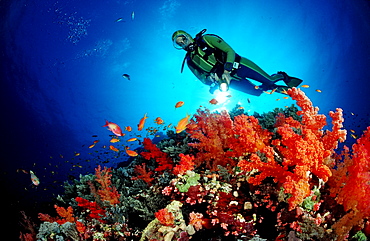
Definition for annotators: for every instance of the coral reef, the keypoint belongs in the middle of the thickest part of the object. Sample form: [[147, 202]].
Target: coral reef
[[229, 176]]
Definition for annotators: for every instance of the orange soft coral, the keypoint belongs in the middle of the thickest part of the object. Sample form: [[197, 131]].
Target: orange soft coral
[[186, 164], [106, 192], [165, 217], [214, 134], [353, 177], [66, 215]]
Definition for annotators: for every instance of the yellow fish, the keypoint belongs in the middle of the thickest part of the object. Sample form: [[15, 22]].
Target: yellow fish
[[305, 86]]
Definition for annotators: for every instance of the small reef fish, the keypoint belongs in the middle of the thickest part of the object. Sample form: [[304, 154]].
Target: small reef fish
[[113, 148], [318, 91], [277, 99], [77, 154], [285, 97], [91, 146], [179, 104], [140, 126], [119, 20], [249, 100], [256, 87], [132, 15], [132, 139], [305, 86], [159, 121], [128, 128], [22, 170], [113, 128], [126, 76], [181, 125], [34, 179], [213, 101], [114, 140], [131, 153]]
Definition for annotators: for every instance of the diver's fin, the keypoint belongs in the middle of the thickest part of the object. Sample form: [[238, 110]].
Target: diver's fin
[[290, 81]]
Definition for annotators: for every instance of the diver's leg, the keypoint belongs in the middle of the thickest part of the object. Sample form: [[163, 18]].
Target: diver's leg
[[249, 69]]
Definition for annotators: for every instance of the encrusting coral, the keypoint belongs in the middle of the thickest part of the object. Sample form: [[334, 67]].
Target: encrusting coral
[[232, 178]]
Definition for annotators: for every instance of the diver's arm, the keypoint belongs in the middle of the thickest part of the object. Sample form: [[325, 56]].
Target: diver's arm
[[202, 76], [217, 42]]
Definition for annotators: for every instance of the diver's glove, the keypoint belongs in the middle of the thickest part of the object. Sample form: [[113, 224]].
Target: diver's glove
[[212, 88]]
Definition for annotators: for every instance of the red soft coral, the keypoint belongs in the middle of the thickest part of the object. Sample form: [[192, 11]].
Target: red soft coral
[[106, 191], [94, 211], [164, 162], [144, 175], [186, 164], [165, 217]]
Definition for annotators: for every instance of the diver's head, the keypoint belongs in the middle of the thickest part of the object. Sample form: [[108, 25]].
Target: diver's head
[[182, 40]]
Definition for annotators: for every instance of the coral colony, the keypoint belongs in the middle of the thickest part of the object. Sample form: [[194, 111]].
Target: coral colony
[[228, 176]]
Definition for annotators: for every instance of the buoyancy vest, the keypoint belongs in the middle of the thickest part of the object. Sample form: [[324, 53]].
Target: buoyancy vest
[[201, 55]]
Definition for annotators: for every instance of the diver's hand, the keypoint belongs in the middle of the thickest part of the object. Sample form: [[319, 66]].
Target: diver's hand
[[226, 77]]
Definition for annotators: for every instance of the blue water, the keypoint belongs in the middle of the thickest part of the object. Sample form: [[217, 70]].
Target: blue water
[[62, 64]]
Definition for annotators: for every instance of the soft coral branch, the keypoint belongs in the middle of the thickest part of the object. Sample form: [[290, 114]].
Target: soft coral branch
[[106, 191]]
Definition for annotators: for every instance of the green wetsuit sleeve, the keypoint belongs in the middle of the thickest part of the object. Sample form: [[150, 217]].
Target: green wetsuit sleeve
[[217, 42]]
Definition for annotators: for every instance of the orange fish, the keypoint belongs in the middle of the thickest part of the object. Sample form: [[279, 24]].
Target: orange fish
[[352, 131], [91, 146], [96, 141], [284, 92], [213, 101], [131, 153], [77, 154], [181, 125], [179, 104], [113, 128], [113, 148], [159, 121], [256, 87], [277, 99], [240, 108], [305, 86], [128, 128], [286, 97], [318, 90], [114, 140], [132, 139], [140, 126]]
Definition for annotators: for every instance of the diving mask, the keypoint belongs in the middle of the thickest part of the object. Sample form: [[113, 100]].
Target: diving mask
[[182, 41]]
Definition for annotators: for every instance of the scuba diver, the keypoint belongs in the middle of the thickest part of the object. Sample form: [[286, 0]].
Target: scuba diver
[[215, 64]]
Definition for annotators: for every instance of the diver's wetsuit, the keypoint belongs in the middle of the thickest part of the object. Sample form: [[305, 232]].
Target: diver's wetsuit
[[213, 55]]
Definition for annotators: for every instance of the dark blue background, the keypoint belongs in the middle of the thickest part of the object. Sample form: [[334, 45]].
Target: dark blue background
[[62, 64]]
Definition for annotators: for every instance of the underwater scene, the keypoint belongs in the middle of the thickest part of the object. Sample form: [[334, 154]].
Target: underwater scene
[[185, 120]]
